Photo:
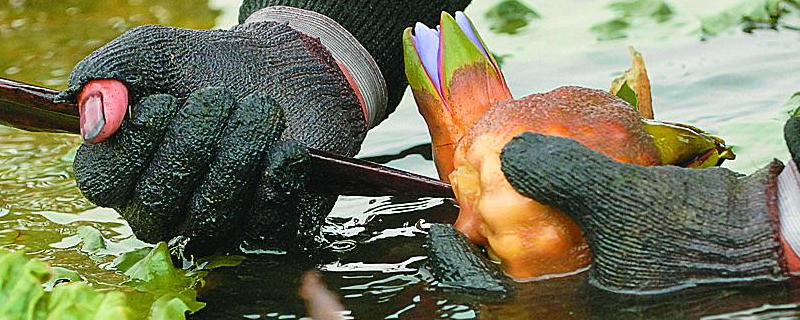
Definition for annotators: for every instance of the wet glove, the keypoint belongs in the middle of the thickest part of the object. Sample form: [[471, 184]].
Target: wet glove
[[190, 170], [657, 229], [189, 161], [275, 62]]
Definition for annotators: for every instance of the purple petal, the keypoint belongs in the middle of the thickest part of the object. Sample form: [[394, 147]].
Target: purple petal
[[427, 42], [466, 27]]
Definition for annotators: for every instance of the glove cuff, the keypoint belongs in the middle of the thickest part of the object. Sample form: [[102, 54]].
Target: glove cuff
[[789, 214], [760, 240], [353, 58], [378, 26]]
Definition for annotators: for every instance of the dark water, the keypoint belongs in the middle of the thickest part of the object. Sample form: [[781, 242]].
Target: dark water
[[735, 85]]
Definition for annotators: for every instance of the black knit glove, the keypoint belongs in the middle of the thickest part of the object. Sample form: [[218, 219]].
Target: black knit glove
[[190, 160], [377, 24], [655, 229]]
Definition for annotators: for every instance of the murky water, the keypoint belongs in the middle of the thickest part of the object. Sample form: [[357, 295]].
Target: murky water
[[734, 85]]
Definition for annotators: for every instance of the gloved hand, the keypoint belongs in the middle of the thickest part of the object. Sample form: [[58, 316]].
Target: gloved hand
[[194, 170], [199, 175], [215, 146], [657, 229]]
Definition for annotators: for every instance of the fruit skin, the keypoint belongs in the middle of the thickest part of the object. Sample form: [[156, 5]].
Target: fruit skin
[[531, 239]]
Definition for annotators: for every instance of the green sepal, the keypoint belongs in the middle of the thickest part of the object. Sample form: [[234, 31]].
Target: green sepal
[[687, 146], [458, 51], [492, 59]]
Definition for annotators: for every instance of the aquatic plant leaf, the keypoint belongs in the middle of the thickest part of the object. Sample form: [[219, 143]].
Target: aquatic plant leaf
[[213, 262], [81, 301], [127, 260], [658, 10], [510, 16], [677, 144], [175, 305], [171, 289], [629, 13], [155, 273], [20, 285], [793, 105], [626, 93], [611, 29], [23, 295], [92, 239], [60, 274], [687, 146], [749, 15], [637, 81]]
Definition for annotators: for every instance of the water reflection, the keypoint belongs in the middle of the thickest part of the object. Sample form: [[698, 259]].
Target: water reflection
[[376, 243], [509, 16], [42, 40]]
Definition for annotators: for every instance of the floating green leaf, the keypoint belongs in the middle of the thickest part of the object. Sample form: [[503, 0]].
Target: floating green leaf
[[175, 305], [657, 10], [749, 15], [510, 16], [155, 273], [611, 29], [92, 239], [629, 13], [168, 292], [127, 260], [23, 295], [81, 301]]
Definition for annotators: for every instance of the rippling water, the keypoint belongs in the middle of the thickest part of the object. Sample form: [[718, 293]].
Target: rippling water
[[734, 85]]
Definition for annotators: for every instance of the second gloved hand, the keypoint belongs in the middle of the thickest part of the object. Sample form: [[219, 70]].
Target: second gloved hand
[[655, 229]]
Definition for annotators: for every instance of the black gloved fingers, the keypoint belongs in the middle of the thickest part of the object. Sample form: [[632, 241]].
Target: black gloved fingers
[[177, 167], [312, 209], [565, 174], [284, 215], [216, 208], [107, 172], [288, 165]]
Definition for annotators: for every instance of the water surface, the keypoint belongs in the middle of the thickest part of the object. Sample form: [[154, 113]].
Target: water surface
[[734, 85]]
